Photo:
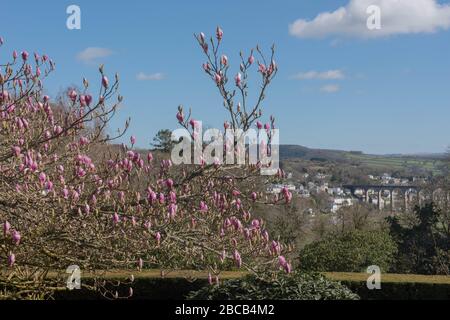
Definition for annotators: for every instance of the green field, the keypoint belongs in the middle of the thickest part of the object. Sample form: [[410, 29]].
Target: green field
[[398, 163], [338, 276]]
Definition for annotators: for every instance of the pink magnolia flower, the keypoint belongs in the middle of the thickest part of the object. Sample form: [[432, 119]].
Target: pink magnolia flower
[[105, 82], [202, 37], [254, 196], [158, 238], [206, 67], [203, 207], [16, 237], [282, 261], [238, 79], [88, 99], [24, 55], [116, 218], [224, 60], [217, 78], [11, 259], [72, 95], [251, 59], [14, 54], [49, 186], [149, 157], [172, 197], [262, 68], [162, 198], [259, 125], [133, 140], [194, 123], [256, 224], [42, 177], [265, 235], [180, 117], [237, 258], [172, 210], [6, 228], [16, 150], [151, 197], [169, 183]]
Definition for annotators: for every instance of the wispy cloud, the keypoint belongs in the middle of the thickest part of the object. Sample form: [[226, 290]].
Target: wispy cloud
[[141, 76], [92, 54], [324, 75], [397, 17], [330, 88]]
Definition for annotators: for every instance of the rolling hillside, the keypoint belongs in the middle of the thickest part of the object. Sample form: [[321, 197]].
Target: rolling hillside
[[429, 162]]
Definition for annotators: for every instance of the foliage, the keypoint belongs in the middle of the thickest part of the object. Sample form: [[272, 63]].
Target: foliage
[[352, 251], [279, 286], [163, 140], [424, 248], [69, 197]]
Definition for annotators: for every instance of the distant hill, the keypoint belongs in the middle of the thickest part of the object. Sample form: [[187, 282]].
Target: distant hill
[[428, 162]]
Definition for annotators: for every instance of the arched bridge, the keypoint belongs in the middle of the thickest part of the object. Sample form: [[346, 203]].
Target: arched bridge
[[407, 191]]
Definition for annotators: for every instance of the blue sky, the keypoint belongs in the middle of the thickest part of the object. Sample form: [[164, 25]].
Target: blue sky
[[391, 95]]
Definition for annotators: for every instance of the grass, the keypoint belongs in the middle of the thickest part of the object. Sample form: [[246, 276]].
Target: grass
[[396, 162], [338, 276]]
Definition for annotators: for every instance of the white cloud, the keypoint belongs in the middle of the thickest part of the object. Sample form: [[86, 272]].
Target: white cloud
[[325, 75], [330, 88], [91, 54], [141, 76], [397, 17]]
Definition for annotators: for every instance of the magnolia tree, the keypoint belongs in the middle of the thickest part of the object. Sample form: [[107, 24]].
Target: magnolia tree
[[120, 210]]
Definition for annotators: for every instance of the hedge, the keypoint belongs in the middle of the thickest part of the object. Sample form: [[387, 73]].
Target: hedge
[[393, 287]]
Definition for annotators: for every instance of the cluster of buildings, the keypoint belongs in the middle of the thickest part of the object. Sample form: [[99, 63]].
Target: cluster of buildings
[[337, 196]]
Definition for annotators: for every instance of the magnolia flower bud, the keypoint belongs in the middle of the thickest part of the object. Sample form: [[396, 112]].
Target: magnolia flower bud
[[219, 33], [11, 259], [24, 55], [251, 59], [238, 79], [6, 228], [237, 258], [217, 78], [105, 82], [180, 117], [158, 238], [133, 140], [224, 60], [16, 237]]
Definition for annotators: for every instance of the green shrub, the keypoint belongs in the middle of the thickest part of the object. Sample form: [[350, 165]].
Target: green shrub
[[350, 252], [401, 291], [294, 286]]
